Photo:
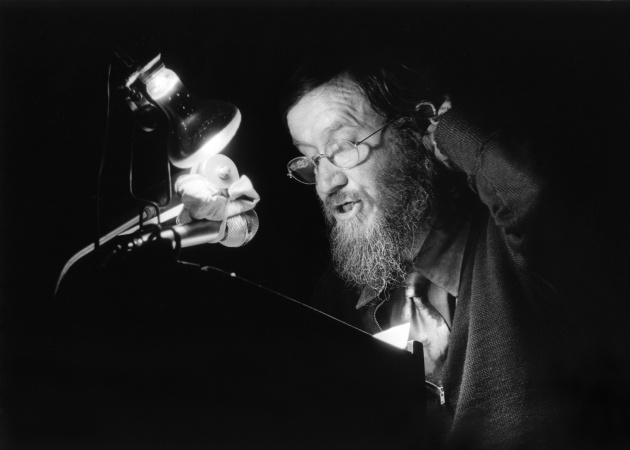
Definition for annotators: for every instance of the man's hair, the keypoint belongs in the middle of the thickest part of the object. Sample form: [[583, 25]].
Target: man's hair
[[392, 86]]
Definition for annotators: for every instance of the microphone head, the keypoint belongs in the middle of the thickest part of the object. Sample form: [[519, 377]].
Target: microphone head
[[240, 229]]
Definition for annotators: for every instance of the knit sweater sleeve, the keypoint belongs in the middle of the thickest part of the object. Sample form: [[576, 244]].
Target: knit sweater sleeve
[[500, 169]]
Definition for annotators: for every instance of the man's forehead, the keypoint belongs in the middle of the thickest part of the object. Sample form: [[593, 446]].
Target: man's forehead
[[333, 105]]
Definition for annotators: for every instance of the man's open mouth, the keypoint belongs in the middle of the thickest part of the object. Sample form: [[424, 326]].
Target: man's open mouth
[[345, 207]]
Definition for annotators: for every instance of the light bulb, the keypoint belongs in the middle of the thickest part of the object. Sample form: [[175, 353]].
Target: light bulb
[[199, 129]]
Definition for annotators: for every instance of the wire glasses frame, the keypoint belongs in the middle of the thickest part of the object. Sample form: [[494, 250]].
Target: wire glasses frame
[[341, 153]]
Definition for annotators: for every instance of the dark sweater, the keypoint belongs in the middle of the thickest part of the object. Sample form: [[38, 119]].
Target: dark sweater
[[515, 371], [503, 367]]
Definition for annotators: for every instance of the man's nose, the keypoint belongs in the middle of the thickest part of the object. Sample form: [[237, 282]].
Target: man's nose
[[329, 177]]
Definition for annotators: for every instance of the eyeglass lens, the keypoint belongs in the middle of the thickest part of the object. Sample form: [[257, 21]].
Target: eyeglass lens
[[302, 169], [343, 154]]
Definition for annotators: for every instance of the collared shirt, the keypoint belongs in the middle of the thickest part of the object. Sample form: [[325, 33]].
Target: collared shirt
[[428, 298]]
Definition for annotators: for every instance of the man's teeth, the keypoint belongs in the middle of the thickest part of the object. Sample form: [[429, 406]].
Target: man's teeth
[[347, 206]]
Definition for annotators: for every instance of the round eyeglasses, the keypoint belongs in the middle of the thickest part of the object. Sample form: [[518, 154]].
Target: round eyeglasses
[[342, 153]]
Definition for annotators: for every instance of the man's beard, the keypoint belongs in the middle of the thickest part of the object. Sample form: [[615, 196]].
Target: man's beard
[[375, 253]]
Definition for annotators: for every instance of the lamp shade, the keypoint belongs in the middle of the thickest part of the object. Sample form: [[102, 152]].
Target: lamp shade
[[199, 129]]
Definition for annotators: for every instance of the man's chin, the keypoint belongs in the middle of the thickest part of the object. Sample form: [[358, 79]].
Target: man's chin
[[363, 253]]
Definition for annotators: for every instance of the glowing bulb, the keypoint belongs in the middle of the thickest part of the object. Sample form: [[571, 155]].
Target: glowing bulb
[[162, 83]]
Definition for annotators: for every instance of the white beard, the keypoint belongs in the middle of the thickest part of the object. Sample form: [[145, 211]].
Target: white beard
[[376, 252], [366, 254]]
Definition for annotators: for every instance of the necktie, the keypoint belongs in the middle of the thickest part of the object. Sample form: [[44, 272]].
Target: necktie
[[426, 307]]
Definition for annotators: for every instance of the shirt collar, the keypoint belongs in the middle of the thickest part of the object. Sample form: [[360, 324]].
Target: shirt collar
[[440, 259], [442, 254]]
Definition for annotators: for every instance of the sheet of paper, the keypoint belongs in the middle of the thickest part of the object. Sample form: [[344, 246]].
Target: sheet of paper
[[396, 336]]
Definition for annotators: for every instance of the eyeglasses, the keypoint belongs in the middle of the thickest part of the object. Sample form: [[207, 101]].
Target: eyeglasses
[[342, 153]]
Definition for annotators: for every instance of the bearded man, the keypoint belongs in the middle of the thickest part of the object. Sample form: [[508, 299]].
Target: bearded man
[[442, 223]]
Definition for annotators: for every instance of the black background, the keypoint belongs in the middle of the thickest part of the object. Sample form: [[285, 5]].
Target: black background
[[569, 58]]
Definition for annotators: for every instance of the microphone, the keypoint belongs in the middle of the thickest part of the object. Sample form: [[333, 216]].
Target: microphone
[[239, 231]]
